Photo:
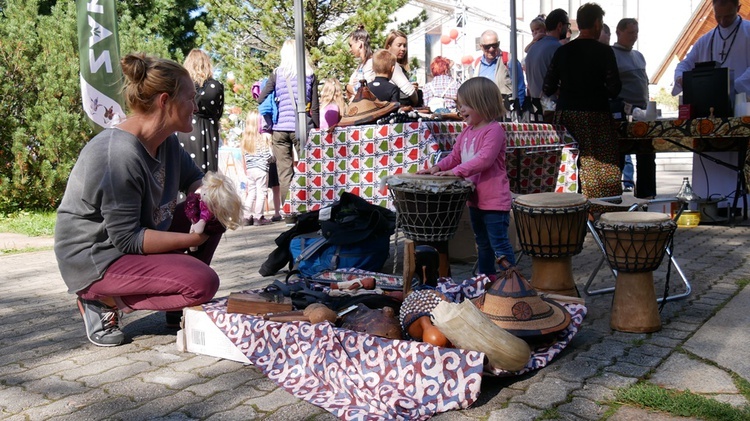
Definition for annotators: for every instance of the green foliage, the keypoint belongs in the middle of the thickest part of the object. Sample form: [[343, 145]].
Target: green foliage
[[680, 403], [44, 127], [166, 28], [40, 95], [33, 224], [247, 36], [666, 99]]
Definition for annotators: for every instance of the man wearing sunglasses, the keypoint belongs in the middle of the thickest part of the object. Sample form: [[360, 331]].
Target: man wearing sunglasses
[[492, 68]]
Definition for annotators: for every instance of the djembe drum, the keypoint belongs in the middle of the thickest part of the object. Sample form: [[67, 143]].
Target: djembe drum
[[635, 243], [551, 228], [429, 207]]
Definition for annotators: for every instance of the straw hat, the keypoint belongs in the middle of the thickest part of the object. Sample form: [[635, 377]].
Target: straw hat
[[513, 304], [366, 108]]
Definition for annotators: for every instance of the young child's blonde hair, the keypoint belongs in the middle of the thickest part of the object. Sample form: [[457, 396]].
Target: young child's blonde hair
[[332, 93], [220, 196], [482, 95], [252, 139]]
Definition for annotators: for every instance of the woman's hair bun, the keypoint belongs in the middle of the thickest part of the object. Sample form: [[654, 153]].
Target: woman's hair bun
[[135, 67], [361, 27]]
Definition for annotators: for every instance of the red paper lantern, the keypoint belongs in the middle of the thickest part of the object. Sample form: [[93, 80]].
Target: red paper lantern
[[467, 60], [445, 39], [454, 33]]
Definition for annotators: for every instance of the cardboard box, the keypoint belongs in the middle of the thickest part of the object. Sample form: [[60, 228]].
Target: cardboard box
[[200, 335], [463, 248]]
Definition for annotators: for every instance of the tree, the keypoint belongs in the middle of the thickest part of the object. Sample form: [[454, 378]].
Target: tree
[[41, 102], [43, 126], [247, 35]]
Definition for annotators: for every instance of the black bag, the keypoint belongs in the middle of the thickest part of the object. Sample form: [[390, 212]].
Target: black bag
[[348, 220]]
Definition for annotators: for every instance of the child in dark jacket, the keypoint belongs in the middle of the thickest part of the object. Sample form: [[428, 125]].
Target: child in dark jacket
[[383, 63]]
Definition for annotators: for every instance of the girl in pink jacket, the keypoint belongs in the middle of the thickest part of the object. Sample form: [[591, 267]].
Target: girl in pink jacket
[[479, 156]]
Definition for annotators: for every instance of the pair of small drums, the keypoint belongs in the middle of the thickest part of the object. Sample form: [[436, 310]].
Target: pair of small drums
[[552, 228]]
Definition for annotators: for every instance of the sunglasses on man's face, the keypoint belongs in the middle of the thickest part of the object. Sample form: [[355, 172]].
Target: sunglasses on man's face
[[494, 45]]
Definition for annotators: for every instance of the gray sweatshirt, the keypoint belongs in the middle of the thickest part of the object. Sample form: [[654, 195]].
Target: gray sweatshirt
[[115, 192]]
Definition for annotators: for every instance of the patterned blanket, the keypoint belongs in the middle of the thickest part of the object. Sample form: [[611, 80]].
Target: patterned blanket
[[357, 376]]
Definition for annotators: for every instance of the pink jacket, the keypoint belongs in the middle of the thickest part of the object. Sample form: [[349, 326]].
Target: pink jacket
[[479, 155]]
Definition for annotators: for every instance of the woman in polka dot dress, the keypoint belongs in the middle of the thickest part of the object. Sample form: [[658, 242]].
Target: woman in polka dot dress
[[202, 143]]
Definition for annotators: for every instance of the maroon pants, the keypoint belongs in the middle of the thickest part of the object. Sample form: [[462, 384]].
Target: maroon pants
[[169, 281]]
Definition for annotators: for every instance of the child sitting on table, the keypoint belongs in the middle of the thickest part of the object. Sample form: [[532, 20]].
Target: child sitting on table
[[332, 104], [256, 147], [383, 64], [479, 156]]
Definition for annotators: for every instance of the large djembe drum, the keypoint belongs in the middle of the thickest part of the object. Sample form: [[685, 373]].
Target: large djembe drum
[[428, 207], [551, 228], [635, 243]]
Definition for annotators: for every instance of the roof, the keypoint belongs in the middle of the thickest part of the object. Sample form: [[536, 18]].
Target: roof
[[699, 24]]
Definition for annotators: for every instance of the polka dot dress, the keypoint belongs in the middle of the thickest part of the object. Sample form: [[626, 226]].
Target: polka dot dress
[[202, 143]]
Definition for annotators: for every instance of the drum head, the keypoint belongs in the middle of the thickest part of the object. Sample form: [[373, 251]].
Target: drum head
[[551, 200], [425, 177], [633, 218]]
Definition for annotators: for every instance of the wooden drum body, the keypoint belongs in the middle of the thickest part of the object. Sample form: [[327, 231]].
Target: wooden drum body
[[551, 228], [635, 243]]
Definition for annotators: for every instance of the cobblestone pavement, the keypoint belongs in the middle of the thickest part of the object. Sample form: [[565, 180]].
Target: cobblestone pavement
[[48, 370]]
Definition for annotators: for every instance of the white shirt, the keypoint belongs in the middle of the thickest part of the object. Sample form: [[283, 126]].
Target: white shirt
[[738, 59]]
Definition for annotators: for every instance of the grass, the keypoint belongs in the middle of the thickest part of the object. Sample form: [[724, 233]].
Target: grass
[[31, 223], [680, 403]]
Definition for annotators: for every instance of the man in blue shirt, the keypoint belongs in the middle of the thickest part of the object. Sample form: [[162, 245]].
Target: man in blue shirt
[[492, 68], [540, 56]]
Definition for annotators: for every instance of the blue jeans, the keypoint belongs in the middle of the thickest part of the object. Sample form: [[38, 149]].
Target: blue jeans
[[491, 234], [628, 172]]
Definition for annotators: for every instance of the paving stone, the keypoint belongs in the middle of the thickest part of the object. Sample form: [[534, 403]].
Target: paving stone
[[681, 372], [100, 410], [17, 399], [629, 370], [159, 407], [272, 401], [546, 394], [737, 399], [69, 405], [514, 411], [577, 370], [654, 350], [219, 402], [114, 374], [54, 387], [629, 413], [582, 408], [172, 379], [242, 412], [138, 390], [595, 392], [221, 383], [637, 357], [606, 351]]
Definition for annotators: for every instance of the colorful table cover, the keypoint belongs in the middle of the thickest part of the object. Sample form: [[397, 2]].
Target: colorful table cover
[[357, 376], [541, 157], [698, 134]]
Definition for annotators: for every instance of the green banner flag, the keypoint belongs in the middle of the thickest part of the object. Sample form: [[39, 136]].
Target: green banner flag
[[99, 51]]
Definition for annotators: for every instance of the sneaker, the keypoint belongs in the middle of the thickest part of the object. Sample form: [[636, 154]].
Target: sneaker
[[276, 218], [102, 323], [247, 221], [261, 221], [173, 319]]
